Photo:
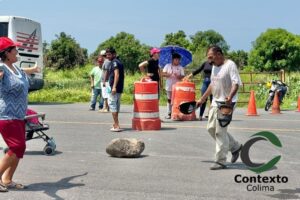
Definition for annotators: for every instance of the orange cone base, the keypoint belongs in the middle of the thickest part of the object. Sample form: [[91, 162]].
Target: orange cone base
[[146, 124], [275, 112], [252, 114]]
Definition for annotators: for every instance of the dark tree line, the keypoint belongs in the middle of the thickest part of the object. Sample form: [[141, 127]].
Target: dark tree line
[[273, 50]]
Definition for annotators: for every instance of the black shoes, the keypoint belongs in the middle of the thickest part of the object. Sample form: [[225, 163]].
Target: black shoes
[[217, 166], [236, 154]]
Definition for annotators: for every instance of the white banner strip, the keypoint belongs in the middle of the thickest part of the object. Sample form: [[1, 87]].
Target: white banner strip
[[146, 115], [186, 89], [145, 96]]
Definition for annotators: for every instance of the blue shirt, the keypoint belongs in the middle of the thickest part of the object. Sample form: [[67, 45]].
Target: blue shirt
[[13, 94], [116, 64]]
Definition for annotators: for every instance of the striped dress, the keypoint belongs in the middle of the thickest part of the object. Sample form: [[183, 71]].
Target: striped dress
[[13, 93]]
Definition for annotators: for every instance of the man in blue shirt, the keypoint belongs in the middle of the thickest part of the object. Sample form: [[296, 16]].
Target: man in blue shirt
[[115, 77]]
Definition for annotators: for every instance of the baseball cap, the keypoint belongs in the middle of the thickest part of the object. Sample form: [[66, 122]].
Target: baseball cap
[[5, 43], [103, 52], [154, 50]]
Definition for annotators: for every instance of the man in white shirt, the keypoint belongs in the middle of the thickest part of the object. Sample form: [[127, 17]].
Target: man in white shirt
[[225, 81]]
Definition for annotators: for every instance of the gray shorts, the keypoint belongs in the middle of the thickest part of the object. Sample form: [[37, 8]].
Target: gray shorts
[[114, 102]]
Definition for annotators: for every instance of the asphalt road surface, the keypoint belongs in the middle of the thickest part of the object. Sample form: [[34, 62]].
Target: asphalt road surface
[[174, 166]]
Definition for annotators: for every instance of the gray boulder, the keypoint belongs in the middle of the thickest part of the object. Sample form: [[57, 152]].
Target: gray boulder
[[125, 148]]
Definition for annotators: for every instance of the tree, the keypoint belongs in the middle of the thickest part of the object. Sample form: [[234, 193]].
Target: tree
[[274, 50], [65, 53], [203, 39], [178, 38], [240, 57], [129, 50]]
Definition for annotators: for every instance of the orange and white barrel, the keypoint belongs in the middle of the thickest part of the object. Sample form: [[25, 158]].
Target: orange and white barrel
[[182, 92], [146, 106]]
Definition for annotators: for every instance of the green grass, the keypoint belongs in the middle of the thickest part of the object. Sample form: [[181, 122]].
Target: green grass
[[68, 86]]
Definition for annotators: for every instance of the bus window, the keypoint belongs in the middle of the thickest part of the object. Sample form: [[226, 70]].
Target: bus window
[[3, 29], [25, 64]]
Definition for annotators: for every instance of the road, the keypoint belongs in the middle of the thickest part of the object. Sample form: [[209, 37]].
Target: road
[[174, 165]]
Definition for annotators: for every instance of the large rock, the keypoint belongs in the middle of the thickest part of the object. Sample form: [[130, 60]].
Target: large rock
[[125, 148]]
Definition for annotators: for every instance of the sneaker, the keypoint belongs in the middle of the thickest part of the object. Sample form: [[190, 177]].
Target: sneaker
[[236, 154], [91, 109], [217, 166], [168, 116], [105, 110], [113, 129]]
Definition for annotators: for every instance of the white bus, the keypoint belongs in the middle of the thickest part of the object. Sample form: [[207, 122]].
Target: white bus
[[28, 33]]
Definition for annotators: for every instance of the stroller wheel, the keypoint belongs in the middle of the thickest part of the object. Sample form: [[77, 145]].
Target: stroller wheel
[[5, 150], [51, 143], [49, 150]]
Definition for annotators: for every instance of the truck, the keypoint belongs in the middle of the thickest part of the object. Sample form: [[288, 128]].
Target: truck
[[29, 34]]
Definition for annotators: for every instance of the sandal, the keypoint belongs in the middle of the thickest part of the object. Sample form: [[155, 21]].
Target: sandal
[[3, 188], [13, 185]]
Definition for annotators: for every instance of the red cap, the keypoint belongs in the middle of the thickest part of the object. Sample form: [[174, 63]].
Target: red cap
[[154, 50], [5, 43]]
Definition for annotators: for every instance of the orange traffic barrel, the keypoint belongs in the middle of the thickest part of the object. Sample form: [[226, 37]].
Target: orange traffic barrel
[[298, 104], [182, 92], [146, 106]]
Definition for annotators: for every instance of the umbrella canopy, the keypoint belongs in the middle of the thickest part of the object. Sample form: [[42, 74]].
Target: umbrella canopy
[[166, 55]]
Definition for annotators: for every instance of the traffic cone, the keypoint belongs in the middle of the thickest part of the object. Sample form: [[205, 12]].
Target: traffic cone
[[276, 104], [252, 105], [298, 104]]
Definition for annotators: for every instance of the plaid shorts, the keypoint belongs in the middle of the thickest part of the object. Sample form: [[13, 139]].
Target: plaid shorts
[[114, 102]]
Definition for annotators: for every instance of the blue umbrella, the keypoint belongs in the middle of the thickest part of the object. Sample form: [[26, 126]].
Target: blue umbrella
[[166, 55]]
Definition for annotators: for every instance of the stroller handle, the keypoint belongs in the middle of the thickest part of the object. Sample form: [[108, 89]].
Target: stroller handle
[[42, 115]]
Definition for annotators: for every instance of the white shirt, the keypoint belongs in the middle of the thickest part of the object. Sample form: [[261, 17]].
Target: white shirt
[[222, 79], [174, 70]]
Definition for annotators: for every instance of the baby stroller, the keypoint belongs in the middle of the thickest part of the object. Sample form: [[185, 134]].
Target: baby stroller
[[34, 126]]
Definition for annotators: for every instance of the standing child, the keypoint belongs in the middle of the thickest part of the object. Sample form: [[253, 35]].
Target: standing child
[[173, 72]]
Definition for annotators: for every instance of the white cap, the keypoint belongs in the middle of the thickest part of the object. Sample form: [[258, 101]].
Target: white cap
[[102, 52]]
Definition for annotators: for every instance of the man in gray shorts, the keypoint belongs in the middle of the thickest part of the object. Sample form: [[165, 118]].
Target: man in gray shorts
[[115, 77]]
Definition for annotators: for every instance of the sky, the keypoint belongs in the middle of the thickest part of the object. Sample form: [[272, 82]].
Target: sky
[[91, 22]]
